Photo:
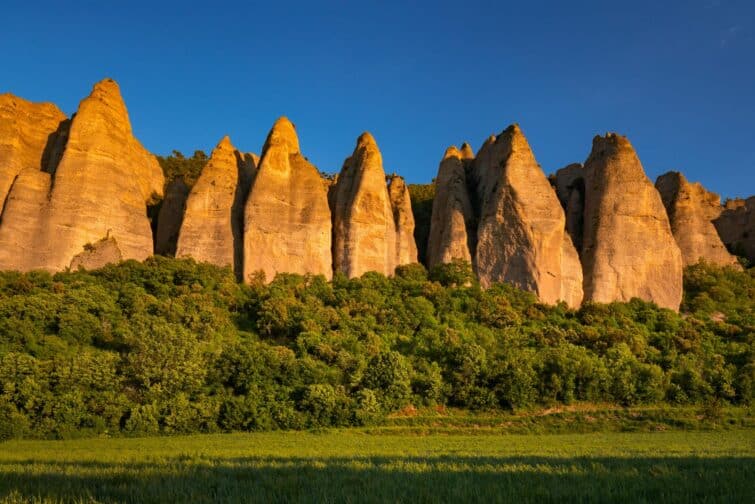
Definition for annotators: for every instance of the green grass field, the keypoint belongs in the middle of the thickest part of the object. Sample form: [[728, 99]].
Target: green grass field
[[359, 466]]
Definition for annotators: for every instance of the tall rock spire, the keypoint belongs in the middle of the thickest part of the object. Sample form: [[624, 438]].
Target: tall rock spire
[[364, 231], [212, 228], [403, 218], [628, 249], [287, 226], [521, 235], [452, 225]]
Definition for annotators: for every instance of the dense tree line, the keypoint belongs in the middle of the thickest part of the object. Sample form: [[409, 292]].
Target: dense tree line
[[175, 346]]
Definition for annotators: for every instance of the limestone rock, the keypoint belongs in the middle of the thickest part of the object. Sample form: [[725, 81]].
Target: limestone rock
[[170, 217], [570, 188], [103, 183], [212, 228], [691, 211], [403, 218], [21, 227], [364, 232], [521, 236], [628, 249], [287, 226], [452, 226], [97, 255], [736, 226], [29, 138]]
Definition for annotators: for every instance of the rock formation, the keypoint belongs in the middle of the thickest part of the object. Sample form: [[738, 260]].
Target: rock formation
[[521, 237], [691, 211], [570, 188], [403, 218], [30, 135], [628, 249], [22, 221], [736, 226], [212, 228], [96, 255], [99, 189], [452, 226], [287, 226], [364, 232], [170, 217], [103, 183]]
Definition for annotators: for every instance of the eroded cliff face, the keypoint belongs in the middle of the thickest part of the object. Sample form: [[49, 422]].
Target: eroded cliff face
[[691, 211], [30, 137], [521, 231], [403, 218], [99, 189], [736, 226], [452, 225], [287, 225], [364, 231], [628, 249], [212, 228]]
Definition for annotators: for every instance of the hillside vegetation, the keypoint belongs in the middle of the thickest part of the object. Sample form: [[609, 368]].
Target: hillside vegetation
[[173, 346]]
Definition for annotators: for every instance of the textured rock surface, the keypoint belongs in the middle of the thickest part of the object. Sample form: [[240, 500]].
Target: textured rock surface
[[21, 227], [521, 237], [212, 229], [452, 226], [570, 188], [287, 226], [691, 211], [403, 218], [170, 217], [364, 232], [97, 255], [628, 249], [102, 184], [736, 226], [29, 134]]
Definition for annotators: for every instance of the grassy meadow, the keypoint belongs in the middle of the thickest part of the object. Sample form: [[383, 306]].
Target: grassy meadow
[[356, 465]]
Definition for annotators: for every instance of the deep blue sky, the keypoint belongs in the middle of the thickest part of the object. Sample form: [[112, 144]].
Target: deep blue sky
[[677, 77]]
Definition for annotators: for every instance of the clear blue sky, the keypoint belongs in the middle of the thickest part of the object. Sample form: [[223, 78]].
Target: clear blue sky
[[677, 77]]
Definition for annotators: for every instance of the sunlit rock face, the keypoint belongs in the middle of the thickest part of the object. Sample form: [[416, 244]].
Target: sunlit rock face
[[452, 225], [628, 249], [212, 228], [287, 225], [364, 232], [521, 237], [30, 137], [736, 226], [99, 189], [691, 211], [403, 218]]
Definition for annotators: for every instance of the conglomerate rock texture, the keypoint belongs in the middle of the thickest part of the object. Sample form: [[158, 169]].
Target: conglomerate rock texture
[[212, 227], [452, 227], [628, 249], [736, 226], [287, 226], [521, 237], [691, 211], [100, 188], [364, 231]]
